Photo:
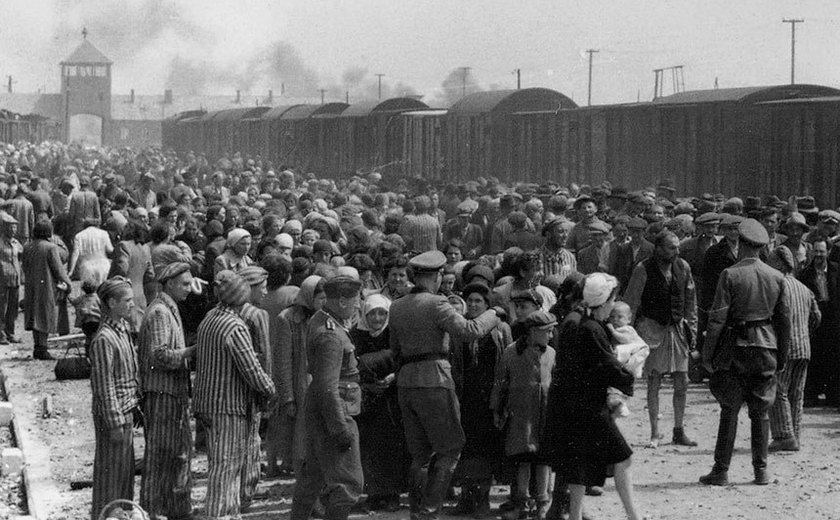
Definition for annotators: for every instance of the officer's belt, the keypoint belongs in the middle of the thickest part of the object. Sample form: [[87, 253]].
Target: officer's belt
[[431, 356], [740, 327]]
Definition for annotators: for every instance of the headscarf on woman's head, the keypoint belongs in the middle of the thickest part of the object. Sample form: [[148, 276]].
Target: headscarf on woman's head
[[597, 289], [112, 288], [231, 289], [373, 302], [306, 295], [234, 236], [477, 287]]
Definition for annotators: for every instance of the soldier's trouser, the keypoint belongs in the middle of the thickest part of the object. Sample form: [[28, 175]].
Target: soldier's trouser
[[750, 378], [335, 471], [113, 465], [432, 422], [786, 413], [167, 481], [227, 448]]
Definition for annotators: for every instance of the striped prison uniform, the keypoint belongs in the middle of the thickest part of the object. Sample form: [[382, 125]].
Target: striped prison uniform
[[805, 316], [256, 320], [229, 384], [560, 263], [167, 480], [115, 389]]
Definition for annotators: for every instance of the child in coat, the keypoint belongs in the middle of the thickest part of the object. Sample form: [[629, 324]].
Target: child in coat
[[519, 400]]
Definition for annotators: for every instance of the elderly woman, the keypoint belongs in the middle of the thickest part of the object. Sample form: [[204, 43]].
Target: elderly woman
[[45, 278], [380, 425], [235, 257], [582, 442], [292, 377], [474, 365]]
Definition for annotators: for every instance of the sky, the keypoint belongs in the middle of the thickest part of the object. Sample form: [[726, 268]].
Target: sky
[[300, 46]]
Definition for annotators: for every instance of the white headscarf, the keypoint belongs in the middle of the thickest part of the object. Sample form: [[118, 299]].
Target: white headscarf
[[373, 302], [597, 288]]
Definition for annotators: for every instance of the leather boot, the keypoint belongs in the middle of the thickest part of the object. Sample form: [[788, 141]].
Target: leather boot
[[680, 438], [717, 477], [482, 502], [760, 438], [418, 488], [466, 501], [436, 487]]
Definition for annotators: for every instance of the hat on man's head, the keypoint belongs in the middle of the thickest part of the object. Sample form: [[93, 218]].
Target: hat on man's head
[[797, 219], [527, 295], [428, 262], [806, 204], [599, 226], [342, 286], [751, 231], [708, 218], [580, 201], [637, 223], [829, 216], [728, 219], [619, 192], [540, 320]]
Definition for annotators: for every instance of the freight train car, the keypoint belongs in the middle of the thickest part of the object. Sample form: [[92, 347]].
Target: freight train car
[[770, 140]]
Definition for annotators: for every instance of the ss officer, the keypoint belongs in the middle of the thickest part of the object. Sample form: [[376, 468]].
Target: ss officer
[[430, 409], [332, 466], [746, 344]]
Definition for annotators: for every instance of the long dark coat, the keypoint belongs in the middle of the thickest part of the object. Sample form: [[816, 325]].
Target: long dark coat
[[43, 269], [581, 439]]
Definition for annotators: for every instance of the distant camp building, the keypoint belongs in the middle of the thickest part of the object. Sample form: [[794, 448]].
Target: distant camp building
[[88, 112]]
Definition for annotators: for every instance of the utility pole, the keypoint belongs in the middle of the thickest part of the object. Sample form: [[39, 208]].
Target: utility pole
[[322, 91], [465, 71], [589, 89], [347, 96], [793, 22], [379, 77], [518, 73]]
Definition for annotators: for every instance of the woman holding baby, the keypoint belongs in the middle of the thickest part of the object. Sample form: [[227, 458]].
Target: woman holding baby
[[582, 442]]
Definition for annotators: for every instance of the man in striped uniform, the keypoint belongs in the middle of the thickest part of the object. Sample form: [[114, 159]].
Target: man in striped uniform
[[333, 464], [805, 316], [116, 394], [230, 387], [256, 320], [164, 365]]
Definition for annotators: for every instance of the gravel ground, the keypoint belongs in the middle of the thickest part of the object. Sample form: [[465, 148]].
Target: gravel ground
[[807, 483], [12, 496]]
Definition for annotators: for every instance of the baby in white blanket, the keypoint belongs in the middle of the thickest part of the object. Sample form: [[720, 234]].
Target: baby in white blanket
[[631, 351]]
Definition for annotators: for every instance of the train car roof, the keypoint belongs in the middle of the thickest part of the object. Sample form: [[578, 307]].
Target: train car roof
[[400, 104], [307, 111], [747, 95], [510, 101], [234, 114]]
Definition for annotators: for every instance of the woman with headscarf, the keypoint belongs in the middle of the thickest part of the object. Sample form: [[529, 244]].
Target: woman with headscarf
[[235, 257], [43, 271], [134, 261], [292, 376], [474, 365], [582, 442], [380, 424]]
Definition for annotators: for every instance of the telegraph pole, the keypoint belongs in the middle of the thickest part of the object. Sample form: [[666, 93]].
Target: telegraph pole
[[589, 89], [793, 22], [322, 91], [518, 73], [465, 71], [379, 77]]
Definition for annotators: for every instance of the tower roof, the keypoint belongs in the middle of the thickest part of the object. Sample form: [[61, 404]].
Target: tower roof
[[87, 53]]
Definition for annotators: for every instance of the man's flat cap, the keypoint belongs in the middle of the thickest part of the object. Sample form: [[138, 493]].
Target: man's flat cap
[[599, 226], [708, 218], [637, 223], [728, 219]]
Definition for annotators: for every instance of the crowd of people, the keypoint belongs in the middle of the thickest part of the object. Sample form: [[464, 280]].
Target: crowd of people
[[382, 336]]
